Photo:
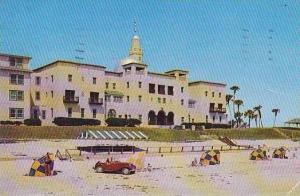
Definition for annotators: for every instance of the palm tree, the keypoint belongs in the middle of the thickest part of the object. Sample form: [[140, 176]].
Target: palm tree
[[249, 113], [254, 116], [258, 109], [238, 116], [234, 88], [228, 98], [275, 111], [238, 102]]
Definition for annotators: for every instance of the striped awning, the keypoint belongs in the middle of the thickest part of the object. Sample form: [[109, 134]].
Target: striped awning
[[113, 135]]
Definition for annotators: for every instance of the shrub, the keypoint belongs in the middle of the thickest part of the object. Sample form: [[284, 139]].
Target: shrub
[[33, 122], [122, 122], [206, 125], [8, 122], [64, 121]]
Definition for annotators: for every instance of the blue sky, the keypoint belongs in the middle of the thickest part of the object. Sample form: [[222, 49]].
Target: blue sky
[[225, 41]]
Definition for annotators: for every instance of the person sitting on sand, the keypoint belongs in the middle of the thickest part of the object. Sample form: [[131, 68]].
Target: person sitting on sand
[[149, 167], [48, 161]]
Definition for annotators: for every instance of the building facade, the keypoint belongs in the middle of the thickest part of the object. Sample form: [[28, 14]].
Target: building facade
[[14, 87], [71, 89]]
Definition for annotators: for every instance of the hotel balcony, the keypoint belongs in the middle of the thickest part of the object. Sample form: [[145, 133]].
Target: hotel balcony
[[69, 99], [218, 110], [96, 101]]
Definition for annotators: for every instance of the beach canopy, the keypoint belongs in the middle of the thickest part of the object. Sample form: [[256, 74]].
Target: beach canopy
[[259, 154], [137, 159], [113, 135], [210, 157], [38, 166], [279, 153]]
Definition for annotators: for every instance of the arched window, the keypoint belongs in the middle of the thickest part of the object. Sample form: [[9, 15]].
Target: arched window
[[112, 113], [170, 118], [161, 118], [151, 118]]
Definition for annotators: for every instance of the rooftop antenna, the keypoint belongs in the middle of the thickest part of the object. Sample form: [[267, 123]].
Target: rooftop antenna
[[79, 50], [134, 26]]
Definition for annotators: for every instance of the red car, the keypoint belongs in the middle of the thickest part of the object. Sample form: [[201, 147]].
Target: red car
[[115, 167]]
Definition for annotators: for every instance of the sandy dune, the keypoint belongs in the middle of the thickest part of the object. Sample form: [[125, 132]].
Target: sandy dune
[[171, 174]]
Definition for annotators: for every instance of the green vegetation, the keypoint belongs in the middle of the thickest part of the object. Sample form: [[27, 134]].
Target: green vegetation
[[156, 134]]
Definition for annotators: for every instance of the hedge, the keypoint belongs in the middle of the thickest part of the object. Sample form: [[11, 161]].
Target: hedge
[[206, 125], [33, 122], [8, 122], [64, 121], [122, 122]]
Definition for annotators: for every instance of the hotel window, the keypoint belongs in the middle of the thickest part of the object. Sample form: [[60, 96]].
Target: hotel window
[[127, 84], [182, 89], [161, 89], [189, 116], [182, 102], [164, 100], [214, 119], [140, 84], [120, 116], [82, 112], [193, 120], [16, 79], [170, 90], [94, 113], [182, 119], [140, 98], [70, 78], [151, 88], [43, 114], [52, 112], [52, 79], [159, 99], [114, 85], [106, 85], [206, 93], [107, 98], [69, 112], [125, 116], [94, 80], [220, 95], [206, 118], [37, 80], [16, 62], [16, 113], [140, 117], [213, 94], [220, 119], [127, 98], [16, 95], [37, 95], [52, 94]]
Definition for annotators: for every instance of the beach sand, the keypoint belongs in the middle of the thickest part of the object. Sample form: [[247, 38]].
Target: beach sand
[[171, 174]]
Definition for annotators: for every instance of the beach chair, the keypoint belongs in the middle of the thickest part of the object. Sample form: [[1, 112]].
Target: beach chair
[[101, 135], [109, 135], [124, 136], [142, 134], [114, 133], [137, 135], [130, 135], [92, 134]]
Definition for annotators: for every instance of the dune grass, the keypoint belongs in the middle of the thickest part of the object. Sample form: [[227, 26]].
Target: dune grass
[[156, 134]]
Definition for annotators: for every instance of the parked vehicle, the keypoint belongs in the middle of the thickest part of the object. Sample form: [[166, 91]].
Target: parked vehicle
[[115, 167]]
